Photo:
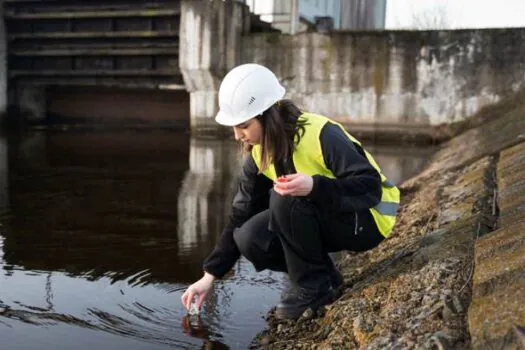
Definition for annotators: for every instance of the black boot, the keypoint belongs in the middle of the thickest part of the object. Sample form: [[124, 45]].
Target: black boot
[[300, 299], [336, 278], [297, 300]]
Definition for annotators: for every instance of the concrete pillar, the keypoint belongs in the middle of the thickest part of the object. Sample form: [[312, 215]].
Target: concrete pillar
[[31, 101], [3, 63], [210, 45], [4, 176], [205, 194]]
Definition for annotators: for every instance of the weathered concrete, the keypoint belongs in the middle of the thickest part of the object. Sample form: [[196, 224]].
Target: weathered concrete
[[210, 45], [30, 100], [124, 45], [499, 279], [4, 175], [385, 79], [3, 62], [404, 77], [491, 138]]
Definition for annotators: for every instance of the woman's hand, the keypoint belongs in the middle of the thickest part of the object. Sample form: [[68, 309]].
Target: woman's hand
[[294, 185], [199, 289]]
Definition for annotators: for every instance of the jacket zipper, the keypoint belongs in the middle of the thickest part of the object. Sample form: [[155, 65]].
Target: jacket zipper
[[356, 224]]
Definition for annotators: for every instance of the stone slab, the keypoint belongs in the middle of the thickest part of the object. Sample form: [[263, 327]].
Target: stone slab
[[511, 185], [498, 288]]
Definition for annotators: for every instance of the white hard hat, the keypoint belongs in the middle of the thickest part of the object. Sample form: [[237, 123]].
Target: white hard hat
[[245, 92]]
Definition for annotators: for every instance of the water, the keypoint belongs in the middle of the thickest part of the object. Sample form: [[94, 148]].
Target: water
[[102, 232]]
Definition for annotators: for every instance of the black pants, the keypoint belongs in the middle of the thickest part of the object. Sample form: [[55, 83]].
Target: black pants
[[295, 236]]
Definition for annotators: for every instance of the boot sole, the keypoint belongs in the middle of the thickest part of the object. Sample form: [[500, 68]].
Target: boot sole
[[283, 314]]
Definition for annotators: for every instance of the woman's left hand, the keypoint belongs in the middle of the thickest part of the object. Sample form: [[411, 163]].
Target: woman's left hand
[[294, 185]]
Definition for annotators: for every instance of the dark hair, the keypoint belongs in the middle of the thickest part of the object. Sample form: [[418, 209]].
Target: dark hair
[[282, 130]]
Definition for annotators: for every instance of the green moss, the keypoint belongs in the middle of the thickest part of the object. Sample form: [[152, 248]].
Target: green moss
[[326, 62], [379, 73], [273, 38]]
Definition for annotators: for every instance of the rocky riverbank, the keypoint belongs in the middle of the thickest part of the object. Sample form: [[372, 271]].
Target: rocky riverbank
[[427, 286]]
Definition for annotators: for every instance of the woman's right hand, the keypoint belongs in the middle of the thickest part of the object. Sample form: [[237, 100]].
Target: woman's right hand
[[199, 289]]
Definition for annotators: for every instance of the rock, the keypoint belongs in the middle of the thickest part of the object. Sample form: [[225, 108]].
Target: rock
[[414, 325], [447, 292], [423, 313], [308, 314], [362, 328], [358, 322], [360, 304], [427, 300], [458, 304], [404, 343], [441, 340], [448, 313], [519, 334], [265, 341], [280, 328], [321, 311], [328, 307], [323, 332]]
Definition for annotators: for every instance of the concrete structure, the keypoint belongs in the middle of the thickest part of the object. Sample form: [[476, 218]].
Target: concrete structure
[[4, 175], [130, 44], [490, 161], [393, 79], [404, 78], [3, 62], [295, 16], [363, 14], [210, 45], [377, 79]]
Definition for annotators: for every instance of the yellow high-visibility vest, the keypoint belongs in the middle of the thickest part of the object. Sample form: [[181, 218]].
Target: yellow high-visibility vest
[[308, 159]]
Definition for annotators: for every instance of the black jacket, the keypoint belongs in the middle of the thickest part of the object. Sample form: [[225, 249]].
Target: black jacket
[[357, 187]]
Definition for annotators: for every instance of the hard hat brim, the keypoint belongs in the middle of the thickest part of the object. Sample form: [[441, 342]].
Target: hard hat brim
[[226, 120]]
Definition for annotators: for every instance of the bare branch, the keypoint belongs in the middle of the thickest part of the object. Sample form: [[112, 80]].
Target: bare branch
[[436, 17]]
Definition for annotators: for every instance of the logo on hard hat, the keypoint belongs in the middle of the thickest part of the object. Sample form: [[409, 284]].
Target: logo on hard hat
[[252, 100]]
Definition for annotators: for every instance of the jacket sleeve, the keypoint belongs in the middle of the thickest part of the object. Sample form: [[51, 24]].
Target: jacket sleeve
[[252, 196], [357, 185]]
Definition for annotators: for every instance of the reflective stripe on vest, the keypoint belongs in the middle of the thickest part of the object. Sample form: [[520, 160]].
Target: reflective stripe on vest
[[387, 183], [308, 158], [387, 208]]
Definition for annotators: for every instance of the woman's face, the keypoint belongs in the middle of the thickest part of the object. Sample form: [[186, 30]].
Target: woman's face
[[249, 132]]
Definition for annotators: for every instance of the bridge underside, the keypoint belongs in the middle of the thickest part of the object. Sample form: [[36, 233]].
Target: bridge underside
[[72, 58], [76, 42]]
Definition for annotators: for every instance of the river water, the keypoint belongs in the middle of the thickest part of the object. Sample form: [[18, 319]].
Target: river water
[[101, 231]]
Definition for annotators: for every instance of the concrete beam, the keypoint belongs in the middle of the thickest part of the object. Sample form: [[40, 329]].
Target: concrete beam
[[92, 14], [31, 101], [210, 45], [3, 63]]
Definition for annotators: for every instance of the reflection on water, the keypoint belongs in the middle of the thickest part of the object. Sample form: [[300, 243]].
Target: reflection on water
[[102, 231]]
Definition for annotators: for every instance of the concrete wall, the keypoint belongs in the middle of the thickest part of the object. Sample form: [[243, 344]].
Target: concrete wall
[[3, 62], [210, 45], [398, 78]]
